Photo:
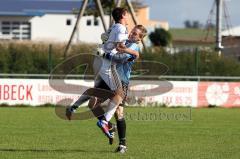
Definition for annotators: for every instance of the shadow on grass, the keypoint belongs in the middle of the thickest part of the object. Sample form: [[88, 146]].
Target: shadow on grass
[[45, 150]]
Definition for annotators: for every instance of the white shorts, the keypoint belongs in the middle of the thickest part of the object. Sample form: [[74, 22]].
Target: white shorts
[[107, 73]]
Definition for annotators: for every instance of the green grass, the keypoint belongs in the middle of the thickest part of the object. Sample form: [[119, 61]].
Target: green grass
[[192, 37], [192, 34], [27, 133]]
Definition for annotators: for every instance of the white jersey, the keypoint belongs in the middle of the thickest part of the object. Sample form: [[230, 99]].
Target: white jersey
[[117, 34]]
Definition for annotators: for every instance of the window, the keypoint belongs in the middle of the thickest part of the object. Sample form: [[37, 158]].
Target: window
[[16, 23], [69, 22], [89, 22], [5, 23], [5, 32], [16, 32], [6, 28], [16, 29], [96, 22]]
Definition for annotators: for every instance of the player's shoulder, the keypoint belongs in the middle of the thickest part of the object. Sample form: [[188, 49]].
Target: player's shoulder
[[119, 27], [134, 46]]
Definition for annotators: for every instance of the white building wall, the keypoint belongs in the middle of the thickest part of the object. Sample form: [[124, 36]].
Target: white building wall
[[50, 28], [53, 27], [235, 31]]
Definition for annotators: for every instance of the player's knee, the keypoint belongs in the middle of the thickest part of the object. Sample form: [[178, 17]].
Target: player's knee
[[92, 102], [119, 93], [120, 117], [117, 99], [119, 114]]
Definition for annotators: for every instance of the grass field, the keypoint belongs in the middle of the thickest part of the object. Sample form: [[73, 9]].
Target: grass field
[[29, 133], [191, 34]]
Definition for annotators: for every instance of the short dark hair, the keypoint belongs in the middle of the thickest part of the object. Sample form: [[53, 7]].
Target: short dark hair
[[117, 13]]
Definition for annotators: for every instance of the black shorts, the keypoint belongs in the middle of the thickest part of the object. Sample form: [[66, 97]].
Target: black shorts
[[103, 85]]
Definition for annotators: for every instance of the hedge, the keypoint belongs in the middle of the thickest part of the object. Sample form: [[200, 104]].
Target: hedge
[[28, 57]]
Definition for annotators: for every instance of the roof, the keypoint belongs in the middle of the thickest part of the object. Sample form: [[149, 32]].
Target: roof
[[37, 7], [232, 32]]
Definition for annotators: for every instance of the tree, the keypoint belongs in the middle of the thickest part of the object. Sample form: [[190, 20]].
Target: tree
[[108, 6], [192, 24], [160, 37], [187, 24], [210, 26], [196, 24]]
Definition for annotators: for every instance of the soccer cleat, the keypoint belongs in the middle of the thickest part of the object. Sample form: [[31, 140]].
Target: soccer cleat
[[69, 112], [112, 131], [121, 149], [103, 125]]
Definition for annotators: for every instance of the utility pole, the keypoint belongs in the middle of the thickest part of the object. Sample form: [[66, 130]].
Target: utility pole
[[219, 47], [100, 9]]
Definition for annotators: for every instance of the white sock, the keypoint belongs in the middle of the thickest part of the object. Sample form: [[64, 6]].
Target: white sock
[[112, 106]]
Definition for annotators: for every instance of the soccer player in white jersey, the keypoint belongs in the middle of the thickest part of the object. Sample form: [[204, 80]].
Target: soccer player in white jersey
[[125, 62], [108, 73], [116, 40]]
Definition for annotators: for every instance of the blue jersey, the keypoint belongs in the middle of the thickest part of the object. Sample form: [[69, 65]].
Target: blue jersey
[[124, 61]]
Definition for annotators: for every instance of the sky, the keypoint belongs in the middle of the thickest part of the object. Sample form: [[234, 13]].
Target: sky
[[177, 11]]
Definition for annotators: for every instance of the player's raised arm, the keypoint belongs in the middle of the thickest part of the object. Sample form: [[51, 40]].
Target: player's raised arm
[[129, 51], [119, 58]]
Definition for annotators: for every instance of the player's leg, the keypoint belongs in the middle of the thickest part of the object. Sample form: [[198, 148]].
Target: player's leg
[[105, 119], [71, 109], [95, 105], [115, 84], [98, 83], [121, 123], [121, 127], [109, 128], [112, 106], [98, 111]]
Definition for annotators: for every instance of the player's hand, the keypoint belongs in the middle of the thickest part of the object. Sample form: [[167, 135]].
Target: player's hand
[[99, 51], [121, 48]]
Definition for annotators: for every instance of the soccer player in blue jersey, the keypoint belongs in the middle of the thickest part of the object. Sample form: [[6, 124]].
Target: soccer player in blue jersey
[[125, 62], [124, 59]]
